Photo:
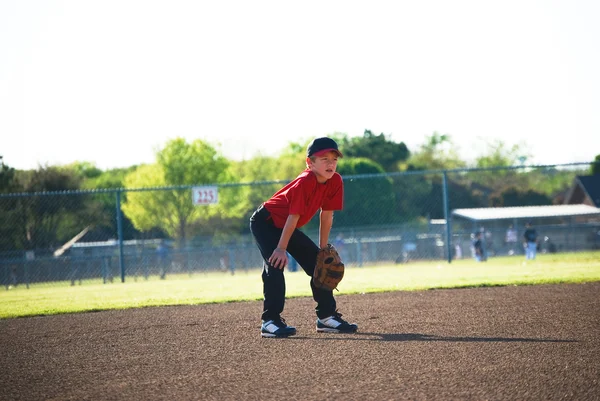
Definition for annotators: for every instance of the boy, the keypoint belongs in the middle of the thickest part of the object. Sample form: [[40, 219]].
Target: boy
[[275, 226]]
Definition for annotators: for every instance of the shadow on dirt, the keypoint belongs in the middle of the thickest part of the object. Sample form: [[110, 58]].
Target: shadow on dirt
[[361, 336]]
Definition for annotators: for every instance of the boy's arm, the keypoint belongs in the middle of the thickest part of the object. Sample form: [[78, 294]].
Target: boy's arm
[[326, 221], [288, 230], [279, 257]]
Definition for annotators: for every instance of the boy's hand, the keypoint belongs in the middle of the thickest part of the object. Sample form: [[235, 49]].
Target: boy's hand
[[279, 258]]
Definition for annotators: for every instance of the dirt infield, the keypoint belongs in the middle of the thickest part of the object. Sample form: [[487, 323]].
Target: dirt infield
[[506, 343]]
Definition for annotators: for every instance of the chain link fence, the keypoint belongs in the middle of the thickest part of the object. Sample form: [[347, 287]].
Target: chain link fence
[[106, 236]]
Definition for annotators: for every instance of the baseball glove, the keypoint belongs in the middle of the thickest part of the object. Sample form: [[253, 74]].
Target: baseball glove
[[329, 270]]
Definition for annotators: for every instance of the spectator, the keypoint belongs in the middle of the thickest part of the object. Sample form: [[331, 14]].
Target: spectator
[[293, 264], [340, 245], [225, 264], [13, 277], [478, 250], [161, 253], [457, 251], [531, 239], [488, 243], [484, 243], [510, 240]]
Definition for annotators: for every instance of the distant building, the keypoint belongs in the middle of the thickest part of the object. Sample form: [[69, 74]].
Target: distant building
[[585, 190]]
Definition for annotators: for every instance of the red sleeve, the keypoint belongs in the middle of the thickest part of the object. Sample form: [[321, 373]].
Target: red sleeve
[[334, 199], [296, 198]]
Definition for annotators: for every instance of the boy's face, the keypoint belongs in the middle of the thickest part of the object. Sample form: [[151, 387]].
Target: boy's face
[[324, 165]]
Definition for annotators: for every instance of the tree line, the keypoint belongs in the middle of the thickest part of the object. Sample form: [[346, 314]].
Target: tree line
[[373, 197]]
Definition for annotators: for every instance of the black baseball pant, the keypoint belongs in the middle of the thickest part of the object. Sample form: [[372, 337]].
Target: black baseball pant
[[303, 249]]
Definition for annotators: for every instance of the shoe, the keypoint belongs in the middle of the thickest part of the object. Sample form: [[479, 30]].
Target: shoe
[[276, 328], [335, 324]]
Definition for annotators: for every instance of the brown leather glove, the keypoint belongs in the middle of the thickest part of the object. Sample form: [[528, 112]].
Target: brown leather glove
[[329, 269]]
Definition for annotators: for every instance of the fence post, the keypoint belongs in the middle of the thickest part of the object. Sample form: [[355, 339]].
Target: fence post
[[447, 217], [120, 236]]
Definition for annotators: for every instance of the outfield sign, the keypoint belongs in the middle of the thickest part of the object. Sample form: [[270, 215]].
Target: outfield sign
[[205, 196]]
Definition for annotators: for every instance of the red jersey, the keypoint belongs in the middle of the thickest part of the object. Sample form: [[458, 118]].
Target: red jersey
[[305, 196]]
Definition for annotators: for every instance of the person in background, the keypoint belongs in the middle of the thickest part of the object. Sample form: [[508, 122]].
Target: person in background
[[487, 243], [162, 251], [510, 240], [478, 251], [457, 251], [340, 246], [292, 265], [530, 237]]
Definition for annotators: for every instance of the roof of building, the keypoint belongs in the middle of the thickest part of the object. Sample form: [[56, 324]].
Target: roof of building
[[525, 212], [591, 185]]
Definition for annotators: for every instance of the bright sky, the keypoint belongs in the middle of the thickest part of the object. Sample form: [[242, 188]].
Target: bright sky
[[111, 81]]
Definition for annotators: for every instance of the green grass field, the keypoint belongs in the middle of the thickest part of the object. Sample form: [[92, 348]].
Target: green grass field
[[57, 298]]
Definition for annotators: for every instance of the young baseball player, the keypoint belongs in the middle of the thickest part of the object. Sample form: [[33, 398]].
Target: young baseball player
[[275, 226]]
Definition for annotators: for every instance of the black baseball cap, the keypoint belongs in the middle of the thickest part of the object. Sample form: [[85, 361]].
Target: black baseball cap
[[322, 145]]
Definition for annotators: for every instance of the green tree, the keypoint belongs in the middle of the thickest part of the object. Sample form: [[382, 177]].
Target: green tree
[[48, 221], [263, 176], [8, 179], [499, 154], [595, 168], [367, 200], [436, 153], [549, 181], [86, 170], [459, 196], [104, 204], [178, 164], [498, 176], [515, 197], [379, 148], [8, 207], [412, 193], [109, 179], [292, 161], [420, 196]]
